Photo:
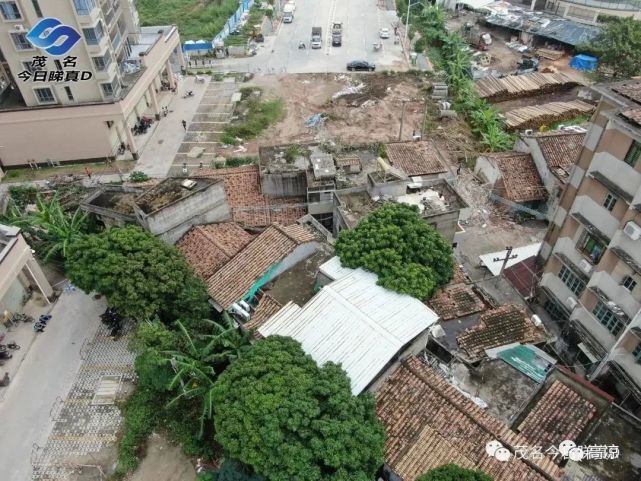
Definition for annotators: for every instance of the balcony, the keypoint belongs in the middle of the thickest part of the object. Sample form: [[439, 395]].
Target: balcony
[[613, 172], [597, 220], [605, 287], [594, 328], [87, 11], [628, 250], [553, 284], [108, 73], [565, 250], [626, 361], [116, 40]]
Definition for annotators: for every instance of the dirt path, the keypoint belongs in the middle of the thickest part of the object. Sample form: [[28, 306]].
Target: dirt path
[[164, 462]]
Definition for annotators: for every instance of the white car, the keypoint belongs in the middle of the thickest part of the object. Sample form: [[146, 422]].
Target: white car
[[384, 33]]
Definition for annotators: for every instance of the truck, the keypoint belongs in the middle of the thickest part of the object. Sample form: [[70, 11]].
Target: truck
[[337, 34], [288, 13], [317, 37]]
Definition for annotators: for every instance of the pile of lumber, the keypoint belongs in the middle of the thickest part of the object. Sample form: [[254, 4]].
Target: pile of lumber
[[549, 54], [535, 116], [515, 86]]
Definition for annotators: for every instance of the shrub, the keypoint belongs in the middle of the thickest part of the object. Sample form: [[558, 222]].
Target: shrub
[[138, 176]]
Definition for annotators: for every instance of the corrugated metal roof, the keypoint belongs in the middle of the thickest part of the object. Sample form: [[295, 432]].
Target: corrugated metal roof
[[354, 322], [334, 270]]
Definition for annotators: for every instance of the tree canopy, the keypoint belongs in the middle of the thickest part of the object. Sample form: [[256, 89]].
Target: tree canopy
[[141, 276], [618, 47], [277, 411], [408, 255], [452, 472]]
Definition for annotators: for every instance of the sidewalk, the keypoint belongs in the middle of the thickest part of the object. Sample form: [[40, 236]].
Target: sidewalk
[[158, 155]]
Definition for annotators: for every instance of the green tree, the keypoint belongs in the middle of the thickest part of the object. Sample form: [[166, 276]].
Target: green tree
[[618, 47], [452, 472], [278, 412], [141, 276], [408, 255], [198, 364], [53, 228], [232, 470]]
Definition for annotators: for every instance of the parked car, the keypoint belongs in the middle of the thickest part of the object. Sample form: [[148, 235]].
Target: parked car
[[384, 33], [361, 65]]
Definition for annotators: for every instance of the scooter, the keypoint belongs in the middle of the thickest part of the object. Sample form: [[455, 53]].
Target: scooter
[[302, 46], [189, 93]]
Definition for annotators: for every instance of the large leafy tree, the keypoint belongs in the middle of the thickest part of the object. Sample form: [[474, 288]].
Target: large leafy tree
[[618, 47], [408, 255], [52, 227], [277, 411], [199, 362], [452, 472], [142, 277]]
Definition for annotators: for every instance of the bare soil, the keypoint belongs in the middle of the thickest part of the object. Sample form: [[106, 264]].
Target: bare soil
[[164, 462]]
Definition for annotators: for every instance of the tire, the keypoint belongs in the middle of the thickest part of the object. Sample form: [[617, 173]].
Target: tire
[[350, 69], [371, 69]]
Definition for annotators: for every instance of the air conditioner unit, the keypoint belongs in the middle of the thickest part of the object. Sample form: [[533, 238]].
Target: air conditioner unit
[[585, 266], [536, 320], [632, 230], [572, 302], [19, 28]]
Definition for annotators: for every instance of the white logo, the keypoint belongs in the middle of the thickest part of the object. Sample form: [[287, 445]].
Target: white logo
[[495, 449]]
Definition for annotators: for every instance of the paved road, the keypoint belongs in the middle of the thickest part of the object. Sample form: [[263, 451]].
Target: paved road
[[362, 20], [46, 373]]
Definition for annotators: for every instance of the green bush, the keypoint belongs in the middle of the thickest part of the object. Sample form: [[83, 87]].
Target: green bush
[[138, 176], [452, 472], [22, 195]]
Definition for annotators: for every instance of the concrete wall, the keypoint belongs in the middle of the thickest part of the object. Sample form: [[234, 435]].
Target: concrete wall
[[301, 252], [446, 224], [284, 184], [486, 169], [207, 206]]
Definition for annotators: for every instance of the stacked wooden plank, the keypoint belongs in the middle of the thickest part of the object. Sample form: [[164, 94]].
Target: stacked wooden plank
[[515, 86], [534, 116], [549, 54]]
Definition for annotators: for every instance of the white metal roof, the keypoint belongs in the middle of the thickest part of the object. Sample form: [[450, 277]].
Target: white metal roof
[[354, 322], [334, 270], [494, 260]]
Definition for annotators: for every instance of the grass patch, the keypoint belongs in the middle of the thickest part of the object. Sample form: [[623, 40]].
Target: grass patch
[[195, 19], [98, 168], [258, 115], [294, 151], [236, 162]]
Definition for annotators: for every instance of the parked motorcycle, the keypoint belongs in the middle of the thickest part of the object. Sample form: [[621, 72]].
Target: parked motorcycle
[[189, 93]]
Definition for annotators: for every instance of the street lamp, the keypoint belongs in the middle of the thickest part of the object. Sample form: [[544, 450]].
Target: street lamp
[[407, 19]]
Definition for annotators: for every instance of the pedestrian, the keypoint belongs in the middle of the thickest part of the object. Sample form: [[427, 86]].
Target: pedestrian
[[395, 30], [88, 172], [184, 122], [458, 170]]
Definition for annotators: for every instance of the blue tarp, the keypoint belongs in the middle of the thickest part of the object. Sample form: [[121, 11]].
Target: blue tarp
[[584, 62], [197, 46]]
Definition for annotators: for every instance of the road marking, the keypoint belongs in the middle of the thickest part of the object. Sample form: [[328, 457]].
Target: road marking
[[330, 21]]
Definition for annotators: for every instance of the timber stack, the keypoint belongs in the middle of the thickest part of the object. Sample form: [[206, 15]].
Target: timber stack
[[515, 86], [534, 116]]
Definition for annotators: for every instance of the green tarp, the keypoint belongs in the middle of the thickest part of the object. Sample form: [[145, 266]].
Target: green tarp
[[527, 361]]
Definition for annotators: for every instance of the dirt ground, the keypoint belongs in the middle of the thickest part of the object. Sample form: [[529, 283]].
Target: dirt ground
[[358, 109], [164, 462]]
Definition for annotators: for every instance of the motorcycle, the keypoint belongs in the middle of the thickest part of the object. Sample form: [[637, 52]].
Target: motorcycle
[[188, 94], [301, 45]]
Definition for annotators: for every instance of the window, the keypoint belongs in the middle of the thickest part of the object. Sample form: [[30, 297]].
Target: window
[[611, 322], [609, 202], [111, 89], [575, 284], [553, 309], [633, 155], [29, 67], [636, 352], [102, 63], [592, 247], [36, 7], [45, 95], [629, 283], [69, 93], [84, 7], [10, 11], [21, 42], [93, 35]]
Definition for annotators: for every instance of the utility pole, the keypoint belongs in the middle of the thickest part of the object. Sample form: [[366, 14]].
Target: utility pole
[[400, 130], [507, 257]]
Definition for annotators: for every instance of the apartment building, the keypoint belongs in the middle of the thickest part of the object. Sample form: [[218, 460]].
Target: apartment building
[[592, 251], [79, 105], [593, 11]]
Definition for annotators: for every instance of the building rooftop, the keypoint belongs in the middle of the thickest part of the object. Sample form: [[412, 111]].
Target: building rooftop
[[323, 166], [267, 306], [521, 180], [263, 254], [436, 199], [504, 325], [116, 200], [248, 205], [354, 322], [560, 150], [627, 95], [542, 24], [416, 158], [208, 247], [428, 423], [456, 301], [559, 415], [633, 115], [354, 206], [168, 192]]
